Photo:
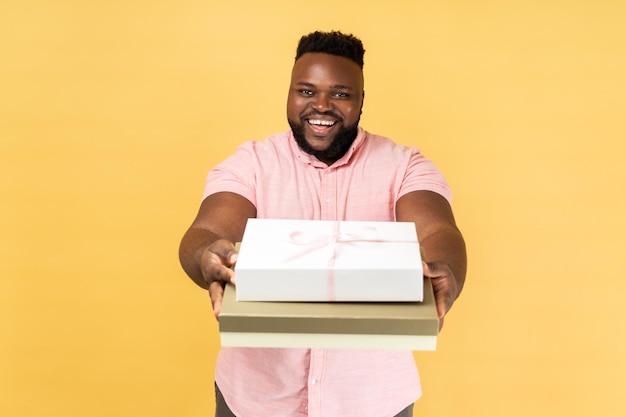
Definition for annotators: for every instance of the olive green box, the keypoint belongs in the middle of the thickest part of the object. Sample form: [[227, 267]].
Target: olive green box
[[333, 325]]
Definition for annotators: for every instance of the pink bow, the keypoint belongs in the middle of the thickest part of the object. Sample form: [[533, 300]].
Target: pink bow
[[316, 242]]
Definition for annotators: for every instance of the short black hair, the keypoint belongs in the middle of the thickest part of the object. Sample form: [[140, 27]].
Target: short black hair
[[332, 43]]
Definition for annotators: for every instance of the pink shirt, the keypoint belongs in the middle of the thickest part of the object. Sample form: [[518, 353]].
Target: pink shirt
[[284, 182]]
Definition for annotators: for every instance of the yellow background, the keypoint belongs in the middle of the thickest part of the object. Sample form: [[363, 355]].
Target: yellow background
[[112, 112]]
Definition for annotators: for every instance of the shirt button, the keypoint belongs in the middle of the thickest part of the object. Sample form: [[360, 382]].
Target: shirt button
[[313, 381], [328, 200]]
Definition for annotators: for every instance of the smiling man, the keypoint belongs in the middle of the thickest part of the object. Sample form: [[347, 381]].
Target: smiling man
[[325, 168]]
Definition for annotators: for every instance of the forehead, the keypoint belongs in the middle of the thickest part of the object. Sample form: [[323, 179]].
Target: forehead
[[327, 70]]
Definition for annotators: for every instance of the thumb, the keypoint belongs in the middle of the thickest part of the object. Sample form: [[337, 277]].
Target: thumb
[[427, 270]]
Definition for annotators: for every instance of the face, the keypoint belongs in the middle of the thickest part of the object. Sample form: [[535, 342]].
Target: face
[[324, 104]]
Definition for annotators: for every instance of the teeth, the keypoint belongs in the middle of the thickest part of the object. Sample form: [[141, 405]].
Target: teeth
[[321, 122]]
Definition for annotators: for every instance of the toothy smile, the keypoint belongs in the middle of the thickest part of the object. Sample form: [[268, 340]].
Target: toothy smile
[[322, 122]]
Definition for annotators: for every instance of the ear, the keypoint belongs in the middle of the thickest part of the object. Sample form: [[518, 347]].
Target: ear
[[362, 101]]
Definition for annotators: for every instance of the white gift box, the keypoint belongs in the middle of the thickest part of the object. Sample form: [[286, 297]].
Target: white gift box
[[320, 260]]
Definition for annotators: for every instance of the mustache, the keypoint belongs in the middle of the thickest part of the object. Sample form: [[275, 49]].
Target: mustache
[[312, 114]]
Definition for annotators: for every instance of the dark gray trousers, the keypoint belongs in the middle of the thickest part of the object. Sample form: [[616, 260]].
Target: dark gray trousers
[[222, 410]]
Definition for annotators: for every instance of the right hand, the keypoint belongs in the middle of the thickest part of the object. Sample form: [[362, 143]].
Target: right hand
[[216, 262]]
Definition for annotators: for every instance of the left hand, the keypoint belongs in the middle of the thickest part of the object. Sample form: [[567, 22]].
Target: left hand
[[445, 287]]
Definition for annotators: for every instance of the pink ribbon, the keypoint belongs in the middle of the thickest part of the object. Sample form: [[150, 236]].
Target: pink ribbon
[[316, 242]]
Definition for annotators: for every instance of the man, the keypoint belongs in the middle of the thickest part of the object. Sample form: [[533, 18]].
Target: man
[[325, 168]]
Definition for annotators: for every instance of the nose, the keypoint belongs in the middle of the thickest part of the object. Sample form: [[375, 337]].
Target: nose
[[322, 103]]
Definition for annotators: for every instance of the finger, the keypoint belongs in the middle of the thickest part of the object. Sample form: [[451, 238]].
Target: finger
[[232, 260], [434, 269], [216, 292], [426, 269], [226, 251], [223, 273], [213, 268], [442, 307], [443, 295], [217, 307], [232, 257]]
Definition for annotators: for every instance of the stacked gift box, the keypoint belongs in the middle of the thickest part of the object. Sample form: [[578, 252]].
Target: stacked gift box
[[329, 284]]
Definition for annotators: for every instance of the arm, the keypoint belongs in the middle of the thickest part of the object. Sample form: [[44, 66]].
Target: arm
[[207, 249], [441, 241]]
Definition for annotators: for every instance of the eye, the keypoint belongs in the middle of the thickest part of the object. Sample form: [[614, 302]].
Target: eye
[[306, 92], [341, 95]]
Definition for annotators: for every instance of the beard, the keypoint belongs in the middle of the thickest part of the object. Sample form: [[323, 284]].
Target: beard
[[338, 148]]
